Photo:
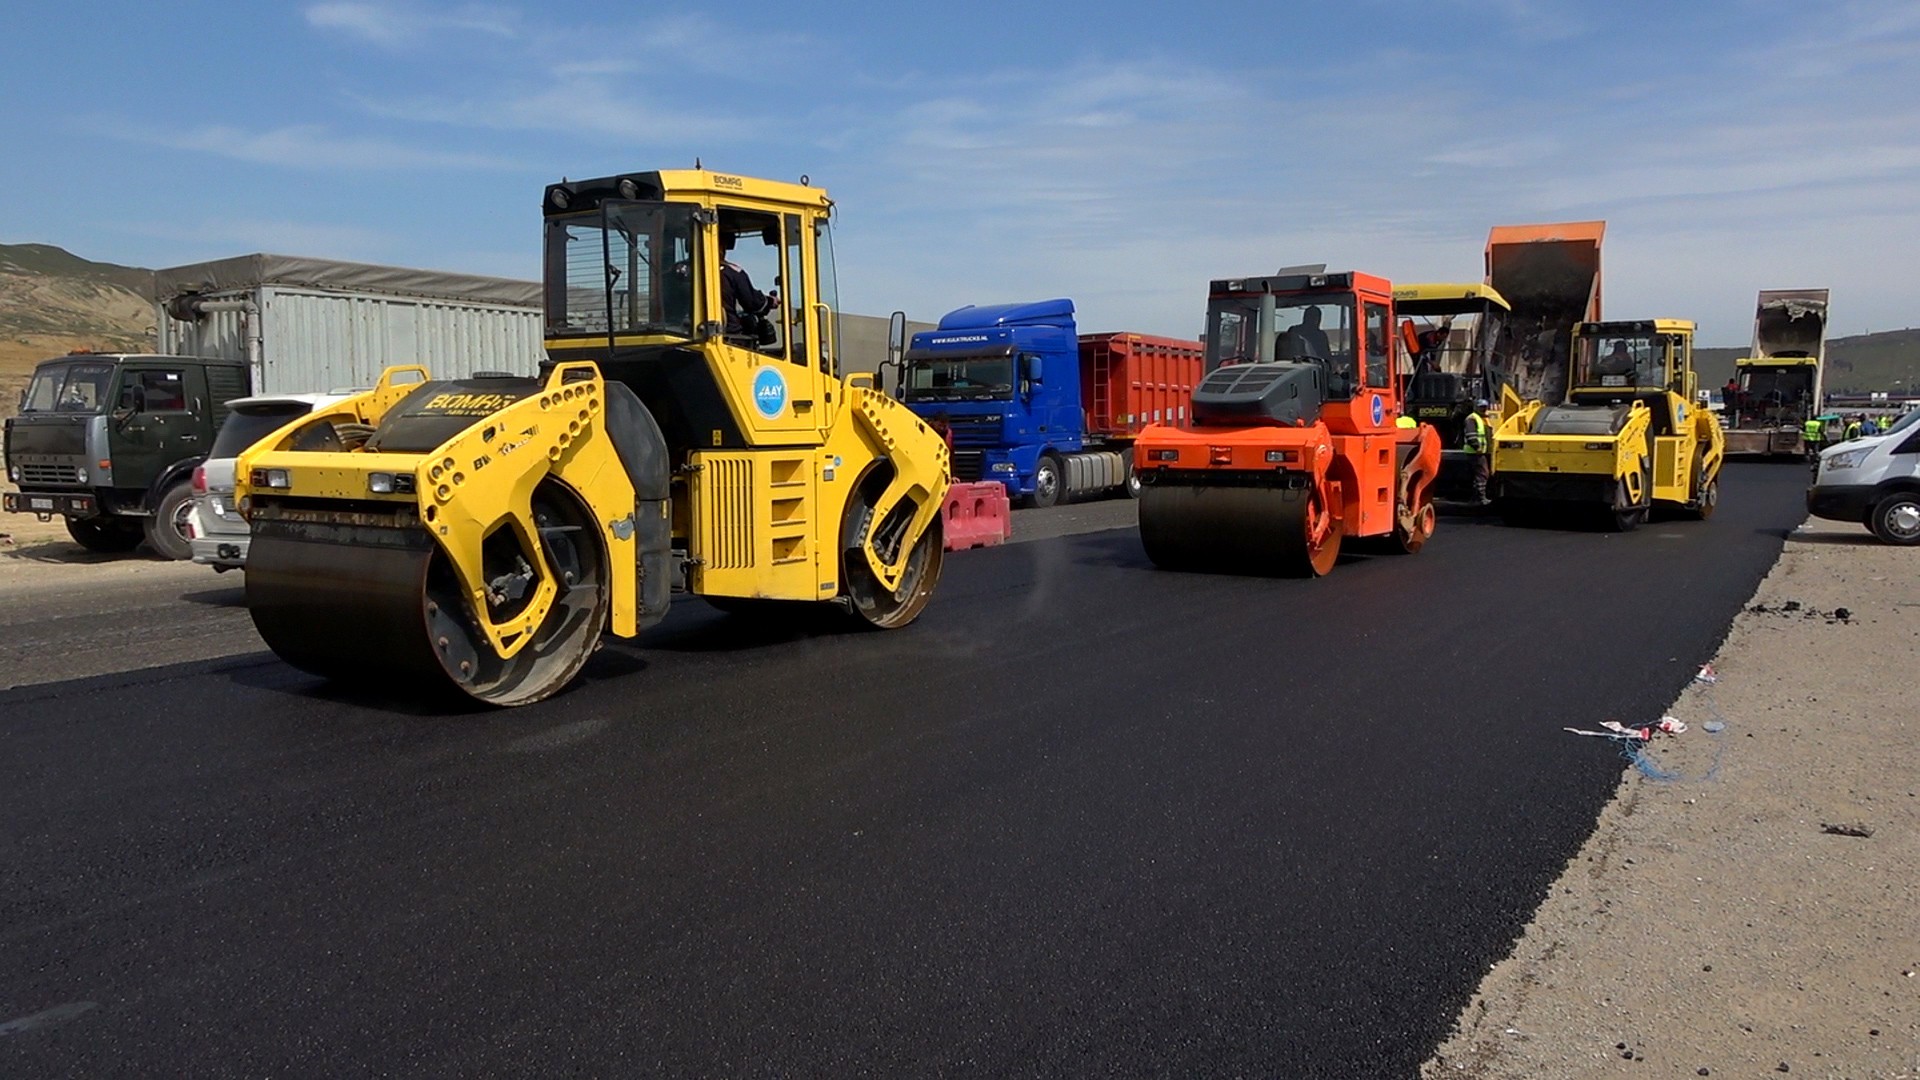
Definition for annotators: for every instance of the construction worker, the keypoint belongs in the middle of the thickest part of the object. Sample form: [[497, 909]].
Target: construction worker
[[1477, 440], [1406, 421], [1811, 433], [1853, 430]]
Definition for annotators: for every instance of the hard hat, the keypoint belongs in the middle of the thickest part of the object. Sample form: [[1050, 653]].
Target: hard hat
[[1481, 404]]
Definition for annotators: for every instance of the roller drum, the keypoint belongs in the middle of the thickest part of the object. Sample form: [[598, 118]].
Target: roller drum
[[1248, 530], [381, 606]]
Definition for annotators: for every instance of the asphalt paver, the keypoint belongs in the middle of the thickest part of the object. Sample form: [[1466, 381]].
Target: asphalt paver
[[1086, 817]]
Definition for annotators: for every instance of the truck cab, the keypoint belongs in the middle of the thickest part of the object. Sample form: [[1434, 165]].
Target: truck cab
[[1004, 381], [109, 441]]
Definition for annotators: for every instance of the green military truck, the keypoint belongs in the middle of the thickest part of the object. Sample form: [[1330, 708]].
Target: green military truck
[[109, 441]]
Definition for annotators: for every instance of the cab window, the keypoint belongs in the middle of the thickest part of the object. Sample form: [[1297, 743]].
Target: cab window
[[155, 392], [1379, 348]]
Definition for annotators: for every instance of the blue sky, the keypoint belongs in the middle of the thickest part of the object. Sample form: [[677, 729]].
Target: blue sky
[[1119, 153]]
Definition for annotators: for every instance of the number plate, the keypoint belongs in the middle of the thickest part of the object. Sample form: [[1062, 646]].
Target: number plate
[[40, 504]]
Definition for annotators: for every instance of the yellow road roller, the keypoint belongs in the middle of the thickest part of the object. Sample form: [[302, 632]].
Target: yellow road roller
[[1628, 438], [689, 434]]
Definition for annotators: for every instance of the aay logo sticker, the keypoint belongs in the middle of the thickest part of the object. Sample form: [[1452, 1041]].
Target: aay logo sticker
[[769, 392], [1379, 411]]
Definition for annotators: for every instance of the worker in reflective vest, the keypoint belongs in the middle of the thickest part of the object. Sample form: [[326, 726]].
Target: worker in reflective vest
[[1810, 431], [1406, 421], [1853, 429], [1478, 443]]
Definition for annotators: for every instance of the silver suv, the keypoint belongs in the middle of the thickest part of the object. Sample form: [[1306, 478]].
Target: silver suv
[[215, 529]]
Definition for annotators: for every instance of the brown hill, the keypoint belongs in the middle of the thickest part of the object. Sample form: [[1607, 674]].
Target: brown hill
[[53, 301]]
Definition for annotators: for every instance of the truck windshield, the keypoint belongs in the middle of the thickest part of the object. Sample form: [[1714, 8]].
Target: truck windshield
[[248, 424], [627, 268], [960, 379], [1621, 360], [74, 386]]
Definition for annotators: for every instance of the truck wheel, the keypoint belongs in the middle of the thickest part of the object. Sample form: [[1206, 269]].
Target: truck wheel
[[167, 528], [1133, 478], [1049, 482], [1896, 520], [105, 535]]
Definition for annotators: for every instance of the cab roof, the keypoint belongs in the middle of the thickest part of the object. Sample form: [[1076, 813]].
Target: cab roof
[[1636, 326], [974, 317], [1449, 297], [1310, 281], [677, 185]]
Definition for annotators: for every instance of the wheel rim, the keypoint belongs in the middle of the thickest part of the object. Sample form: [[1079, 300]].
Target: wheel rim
[[1903, 520], [1046, 482]]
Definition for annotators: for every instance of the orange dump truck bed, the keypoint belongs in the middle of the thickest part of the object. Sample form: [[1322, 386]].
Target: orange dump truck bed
[[1550, 273]]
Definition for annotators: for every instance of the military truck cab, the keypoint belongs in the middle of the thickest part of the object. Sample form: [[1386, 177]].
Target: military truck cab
[[109, 441]]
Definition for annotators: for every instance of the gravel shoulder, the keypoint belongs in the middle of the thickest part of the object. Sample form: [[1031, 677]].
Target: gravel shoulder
[[1719, 922]]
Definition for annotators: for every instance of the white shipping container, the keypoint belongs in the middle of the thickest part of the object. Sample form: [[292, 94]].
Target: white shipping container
[[314, 324]]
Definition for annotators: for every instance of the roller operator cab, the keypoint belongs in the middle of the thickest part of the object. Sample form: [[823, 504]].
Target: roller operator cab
[[691, 433], [1454, 336], [1294, 447], [1628, 438]]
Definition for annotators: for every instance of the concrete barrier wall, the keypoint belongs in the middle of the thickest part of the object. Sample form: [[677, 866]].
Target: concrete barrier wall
[[863, 341]]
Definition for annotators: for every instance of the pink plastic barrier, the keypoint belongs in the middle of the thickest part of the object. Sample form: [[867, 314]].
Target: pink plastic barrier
[[977, 516]]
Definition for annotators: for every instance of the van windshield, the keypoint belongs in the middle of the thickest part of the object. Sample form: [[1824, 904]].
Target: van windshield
[[72, 386]]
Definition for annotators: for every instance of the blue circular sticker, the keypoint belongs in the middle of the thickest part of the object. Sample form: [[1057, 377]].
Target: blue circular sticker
[[769, 391], [1379, 411]]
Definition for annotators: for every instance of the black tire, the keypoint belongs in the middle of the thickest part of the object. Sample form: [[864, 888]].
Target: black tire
[[108, 536], [1132, 484], [1896, 519], [1706, 497], [167, 528], [1633, 517], [1049, 482]]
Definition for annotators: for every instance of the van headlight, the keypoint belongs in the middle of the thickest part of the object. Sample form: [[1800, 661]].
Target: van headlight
[[1849, 459]]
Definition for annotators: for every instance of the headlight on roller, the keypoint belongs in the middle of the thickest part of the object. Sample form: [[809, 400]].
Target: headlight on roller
[[272, 478], [386, 483]]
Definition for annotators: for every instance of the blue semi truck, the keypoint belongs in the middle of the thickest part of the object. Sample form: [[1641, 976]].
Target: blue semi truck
[[1035, 405]]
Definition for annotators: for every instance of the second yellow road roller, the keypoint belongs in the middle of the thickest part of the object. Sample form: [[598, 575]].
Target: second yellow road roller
[[1630, 436], [690, 434]]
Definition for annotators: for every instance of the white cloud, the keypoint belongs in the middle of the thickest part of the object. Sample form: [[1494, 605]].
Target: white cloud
[[392, 26], [306, 146]]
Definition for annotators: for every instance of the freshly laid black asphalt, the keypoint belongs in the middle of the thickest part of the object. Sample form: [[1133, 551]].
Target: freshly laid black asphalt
[[1086, 818]]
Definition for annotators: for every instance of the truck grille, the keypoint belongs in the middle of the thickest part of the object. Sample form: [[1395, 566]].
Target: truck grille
[[968, 465], [975, 430], [41, 473]]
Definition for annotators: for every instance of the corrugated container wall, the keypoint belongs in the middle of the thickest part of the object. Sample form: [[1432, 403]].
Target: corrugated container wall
[[325, 324], [312, 340], [1128, 381]]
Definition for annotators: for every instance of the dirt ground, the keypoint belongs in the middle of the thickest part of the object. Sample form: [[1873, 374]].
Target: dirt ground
[[1754, 910], [35, 553]]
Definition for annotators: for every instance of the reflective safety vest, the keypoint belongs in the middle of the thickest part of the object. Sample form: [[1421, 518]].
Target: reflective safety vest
[[1406, 422], [1811, 430], [1853, 430], [1476, 439]]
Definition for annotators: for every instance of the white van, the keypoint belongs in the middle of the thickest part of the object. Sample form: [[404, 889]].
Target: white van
[[1873, 480]]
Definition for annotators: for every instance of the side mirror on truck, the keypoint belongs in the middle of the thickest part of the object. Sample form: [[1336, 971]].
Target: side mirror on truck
[[896, 351], [1035, 369]]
